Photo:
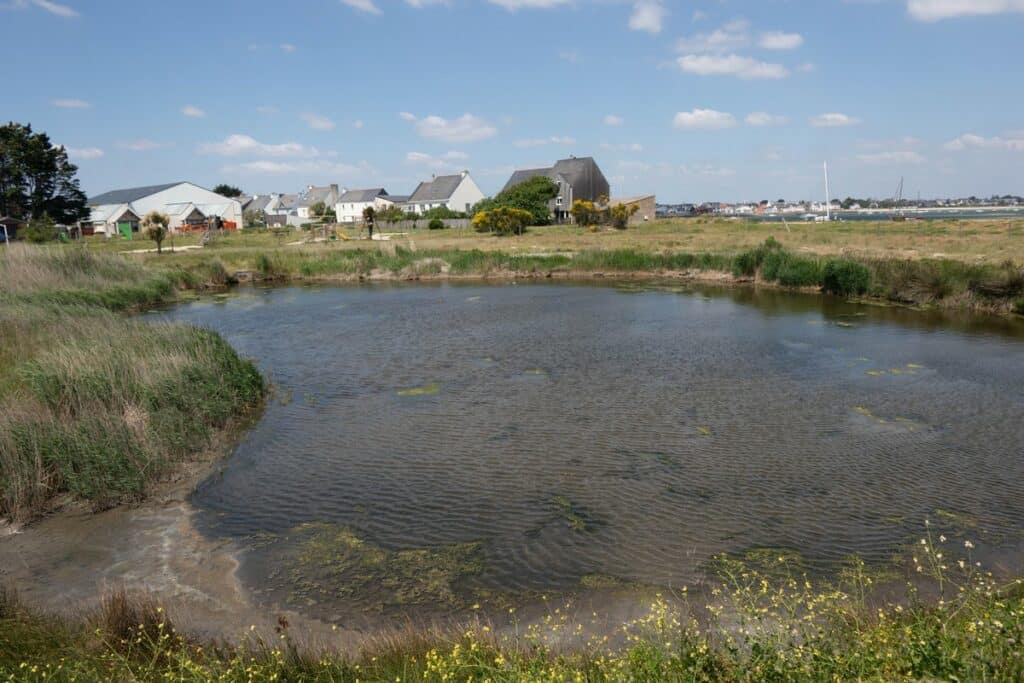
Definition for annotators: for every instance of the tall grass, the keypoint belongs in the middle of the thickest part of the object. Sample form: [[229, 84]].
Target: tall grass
[[763, 620], [95, 405]]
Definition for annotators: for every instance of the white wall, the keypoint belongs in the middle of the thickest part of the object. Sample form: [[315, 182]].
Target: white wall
[[467, 193]]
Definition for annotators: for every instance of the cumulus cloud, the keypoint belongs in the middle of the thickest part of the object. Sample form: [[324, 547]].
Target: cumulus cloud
[[447, 161], [733, 36], [833, 120], [54, 8], [84, 153], [704, 119], [648, 16], [70, 104], [760, 118], [193, 112], [367, 6], [288, 47], [513, 5], [317, 122], [238, 144], [324, 168], [466, 128], [934, 10], [746, 68], [892, 158], [613, 120], [1013, 143], [778, 40]]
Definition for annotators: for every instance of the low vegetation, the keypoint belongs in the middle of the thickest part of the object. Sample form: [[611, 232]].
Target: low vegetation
[[96, 406], [762, 619]]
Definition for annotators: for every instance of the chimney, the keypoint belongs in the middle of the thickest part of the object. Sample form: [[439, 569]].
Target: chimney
[[464, 174]]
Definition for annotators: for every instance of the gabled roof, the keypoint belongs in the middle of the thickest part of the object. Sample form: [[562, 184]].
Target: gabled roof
[[525, 174], [128, 195], [440, 189], [581, 173], [398, 198], [314, 195], [369, 195]]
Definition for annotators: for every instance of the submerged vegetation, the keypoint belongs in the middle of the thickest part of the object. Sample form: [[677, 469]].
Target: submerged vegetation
[[96, 406], [762, 619]]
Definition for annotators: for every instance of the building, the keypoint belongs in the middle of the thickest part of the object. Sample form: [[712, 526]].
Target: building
[[454, 192], [578, 179], [646, 208], [9, 228], [186, 204], [352, 203], [313, 195]]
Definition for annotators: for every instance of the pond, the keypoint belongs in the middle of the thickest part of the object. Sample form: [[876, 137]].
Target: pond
[[432, 449]]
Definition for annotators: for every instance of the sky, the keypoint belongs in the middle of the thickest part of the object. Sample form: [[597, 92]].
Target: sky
[[703, 100]]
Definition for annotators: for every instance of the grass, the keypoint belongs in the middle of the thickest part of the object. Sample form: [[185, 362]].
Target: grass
[[761, 619], [96, 406]]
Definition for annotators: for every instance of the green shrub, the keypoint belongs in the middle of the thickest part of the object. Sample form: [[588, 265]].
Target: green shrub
[[266, 266], [436, 224], [845, 277], [1018, 307]]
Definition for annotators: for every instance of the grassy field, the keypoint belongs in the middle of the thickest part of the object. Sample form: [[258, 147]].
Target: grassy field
[[96, 406], [758, 621]]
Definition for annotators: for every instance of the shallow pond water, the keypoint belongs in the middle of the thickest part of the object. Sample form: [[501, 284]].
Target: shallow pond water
[[433, 447]]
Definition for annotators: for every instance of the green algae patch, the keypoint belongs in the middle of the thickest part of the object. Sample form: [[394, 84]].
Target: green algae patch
[[578, 518], [704, 431], [333, 562], [426, 390]]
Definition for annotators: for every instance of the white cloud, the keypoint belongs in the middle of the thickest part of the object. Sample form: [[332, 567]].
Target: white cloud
[[760, 118], [625, 147], [466, 128], [288, 47], [934, 10], [648, 15], [419, 4], [553, 140], [446, 161], [513, 5], [84, 152], [236, 144], [1014, 143], [704, 119], [70, 104], [325, 168], [833, 120], [193, 112], [358, 123], [142, 145], [745, 68], [733, 36], [892, 158], [367, 6], [317, 122], [778, 40], [613, 120], [48, 5]]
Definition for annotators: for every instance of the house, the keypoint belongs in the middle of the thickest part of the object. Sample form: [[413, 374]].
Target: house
[[578, 179], [454, 192], [9, 228], [352, 203], [186, 204], [313, 195]]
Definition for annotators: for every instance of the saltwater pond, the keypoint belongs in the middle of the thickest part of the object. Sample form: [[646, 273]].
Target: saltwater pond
[[435, 449]]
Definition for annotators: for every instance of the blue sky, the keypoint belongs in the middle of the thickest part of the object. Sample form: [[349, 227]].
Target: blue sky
[[703, 100]]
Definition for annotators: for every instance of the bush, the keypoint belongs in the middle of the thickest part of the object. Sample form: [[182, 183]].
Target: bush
[[845, 278], [1018, 307], [436, 224], [502, 221], [265, 265], [747, 263], [40, 230]]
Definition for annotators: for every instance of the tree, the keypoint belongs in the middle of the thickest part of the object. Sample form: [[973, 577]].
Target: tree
[[322, 211], [392, 214], [585, 213], [442, 212], [370, 218], [154, 225], [36, 178], [229, 191], [256, 218], [502, 220], [620, 215], [40, 230], [531, 195]]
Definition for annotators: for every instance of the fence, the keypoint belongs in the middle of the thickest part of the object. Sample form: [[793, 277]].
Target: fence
[[422, 224]]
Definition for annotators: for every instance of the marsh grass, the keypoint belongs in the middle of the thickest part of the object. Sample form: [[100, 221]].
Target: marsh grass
[[760, 618], [96, 406]]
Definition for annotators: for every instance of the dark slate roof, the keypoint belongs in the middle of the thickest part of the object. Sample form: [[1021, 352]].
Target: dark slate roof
[[316, 194], [362, 195], [398, 198], [127, 195], [439, 189], [582, 174], [525, 174]]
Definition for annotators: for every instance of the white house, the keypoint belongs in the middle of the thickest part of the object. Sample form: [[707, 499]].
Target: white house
[[326, 194], [455, 192], [352, 203], [184, 204]]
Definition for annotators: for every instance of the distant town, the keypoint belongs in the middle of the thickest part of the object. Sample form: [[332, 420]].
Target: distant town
[[781, 207]]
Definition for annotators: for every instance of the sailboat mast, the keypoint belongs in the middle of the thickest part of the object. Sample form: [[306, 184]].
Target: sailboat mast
[[828, 199]]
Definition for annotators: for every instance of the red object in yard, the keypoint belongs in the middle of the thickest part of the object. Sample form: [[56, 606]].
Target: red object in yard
[[230, 225]]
